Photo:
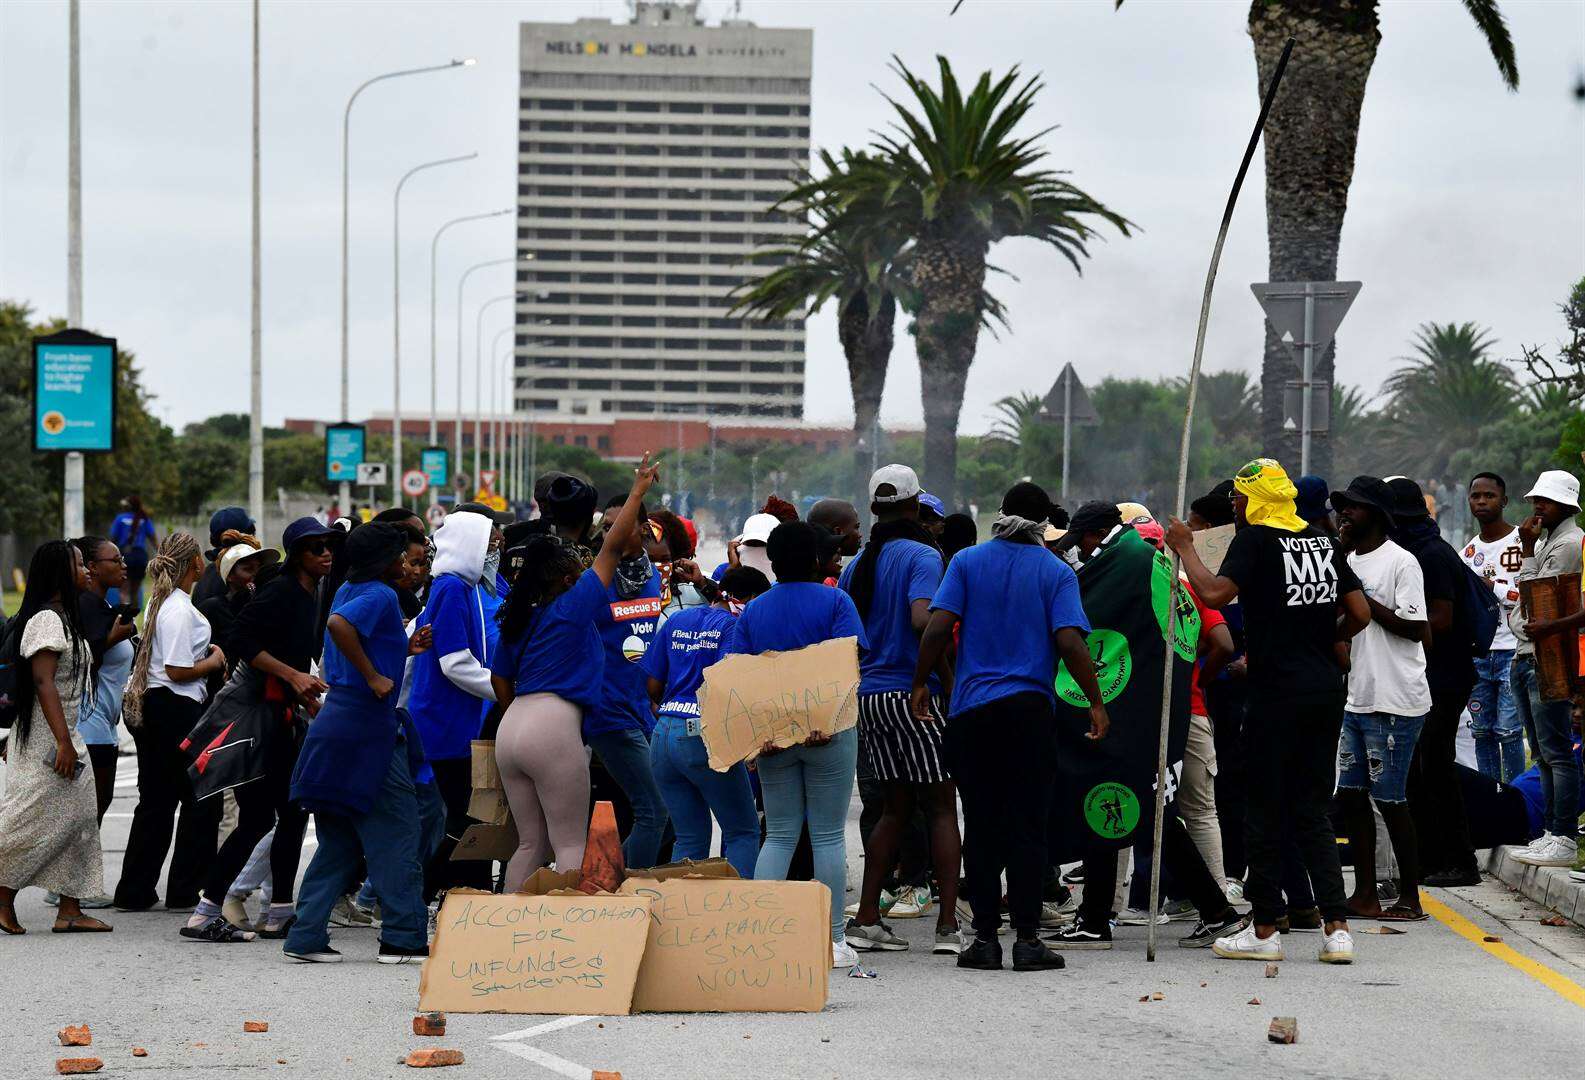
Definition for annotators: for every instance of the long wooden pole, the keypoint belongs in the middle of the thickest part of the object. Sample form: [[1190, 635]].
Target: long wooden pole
[[1183, 483]]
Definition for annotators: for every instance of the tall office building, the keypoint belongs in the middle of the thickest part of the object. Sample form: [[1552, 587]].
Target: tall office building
[[649, 154]]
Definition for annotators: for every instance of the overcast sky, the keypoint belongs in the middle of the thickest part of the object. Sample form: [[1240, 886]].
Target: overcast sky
[[1468, 201]]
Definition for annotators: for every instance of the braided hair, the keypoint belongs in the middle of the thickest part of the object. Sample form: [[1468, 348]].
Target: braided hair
[[544, 560], [176, 555], [51, 586]]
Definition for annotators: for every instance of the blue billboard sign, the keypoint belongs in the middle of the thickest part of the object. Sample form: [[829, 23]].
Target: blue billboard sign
[[344, 445], [74, 392], [435, 461]]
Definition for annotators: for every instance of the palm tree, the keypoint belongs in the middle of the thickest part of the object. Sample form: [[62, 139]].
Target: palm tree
[[1013, 417], [1310, 140], [857, 268], [1229, 399], [1445, 395], [953, 179]]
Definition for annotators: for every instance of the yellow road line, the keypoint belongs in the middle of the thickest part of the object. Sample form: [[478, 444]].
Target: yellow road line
[[1559, 984]]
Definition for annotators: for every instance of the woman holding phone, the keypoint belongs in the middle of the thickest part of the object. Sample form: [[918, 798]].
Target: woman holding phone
[[49, 827]]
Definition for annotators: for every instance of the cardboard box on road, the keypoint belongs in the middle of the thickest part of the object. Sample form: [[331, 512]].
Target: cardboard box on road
[[747, 701]]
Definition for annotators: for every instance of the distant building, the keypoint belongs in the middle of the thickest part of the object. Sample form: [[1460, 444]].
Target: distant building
[[648, 155]]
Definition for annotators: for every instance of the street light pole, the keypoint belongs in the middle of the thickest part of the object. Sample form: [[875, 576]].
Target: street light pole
[[461, 283], [255, 330], [396, 321], [346, 144], [495, 412], [72, 493], [478, 379]]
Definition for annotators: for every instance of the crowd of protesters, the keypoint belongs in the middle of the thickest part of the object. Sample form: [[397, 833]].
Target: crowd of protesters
[[1333, 645]]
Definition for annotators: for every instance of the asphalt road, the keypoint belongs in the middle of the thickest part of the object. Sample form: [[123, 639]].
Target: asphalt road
[[1435, 1001]]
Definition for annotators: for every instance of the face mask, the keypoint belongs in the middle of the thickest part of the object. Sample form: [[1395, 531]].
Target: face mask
[[492, 566], [632, 575], [758, 558]]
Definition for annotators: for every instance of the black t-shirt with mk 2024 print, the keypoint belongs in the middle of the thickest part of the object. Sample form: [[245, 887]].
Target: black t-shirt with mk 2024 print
[[1289, 585]]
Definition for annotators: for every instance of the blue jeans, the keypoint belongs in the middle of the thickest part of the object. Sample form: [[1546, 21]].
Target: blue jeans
[[693, 791], [1374, 752], [625, 755], [813, 783], [387, 836], [1494, 718], [431, 831], [1548, 724]]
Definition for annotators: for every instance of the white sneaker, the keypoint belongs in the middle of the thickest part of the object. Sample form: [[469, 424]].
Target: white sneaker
[[1234, 891], [1558, 851], [1577, 875], [1544, 838], [1245, 945], [1338, 948], [1140, 917], [911, 902], [843, 955], [347, 914], [886, 901]]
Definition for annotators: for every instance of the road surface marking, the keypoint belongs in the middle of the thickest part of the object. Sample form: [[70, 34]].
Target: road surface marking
[[1560, 984], [513, 1042], [542, 1029]]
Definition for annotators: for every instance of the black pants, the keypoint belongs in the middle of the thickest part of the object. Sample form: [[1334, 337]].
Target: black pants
[[1003, 756], [1295, 747], [1436, 799], [262, 805], [162, 788], [104, 757], [454, 779], [1225, 700], [1178, 855]]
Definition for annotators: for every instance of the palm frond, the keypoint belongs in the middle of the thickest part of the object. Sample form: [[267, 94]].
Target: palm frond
[[1494, 28]]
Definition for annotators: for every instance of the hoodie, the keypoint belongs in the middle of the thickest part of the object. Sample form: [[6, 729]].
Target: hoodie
[[451, 680]]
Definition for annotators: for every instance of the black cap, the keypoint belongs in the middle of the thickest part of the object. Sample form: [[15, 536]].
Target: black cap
[[1408, 501], [1368, 491], [1216, 505]]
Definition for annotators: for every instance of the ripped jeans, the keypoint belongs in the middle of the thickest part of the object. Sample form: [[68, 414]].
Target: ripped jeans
[[1375, 751]]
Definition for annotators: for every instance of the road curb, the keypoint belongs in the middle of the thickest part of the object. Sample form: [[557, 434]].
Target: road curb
[[1548, 885]]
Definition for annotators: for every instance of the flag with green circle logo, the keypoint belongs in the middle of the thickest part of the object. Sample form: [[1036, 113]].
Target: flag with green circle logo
[[1106, 788]]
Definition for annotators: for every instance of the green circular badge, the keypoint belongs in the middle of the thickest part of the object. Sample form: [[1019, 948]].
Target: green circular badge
[[1186, 631], [1113, 666], [1111, 810]]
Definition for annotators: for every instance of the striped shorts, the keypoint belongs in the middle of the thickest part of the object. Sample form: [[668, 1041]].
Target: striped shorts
[[898, 747]]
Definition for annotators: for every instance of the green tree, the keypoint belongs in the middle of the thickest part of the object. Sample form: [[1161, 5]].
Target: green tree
[[953, 178], [1568, 369], [1444, 396]]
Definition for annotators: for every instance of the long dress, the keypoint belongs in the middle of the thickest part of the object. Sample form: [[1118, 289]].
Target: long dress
[[49, 827]]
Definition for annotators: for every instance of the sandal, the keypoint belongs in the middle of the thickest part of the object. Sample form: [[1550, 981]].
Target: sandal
[[9, 924], [279, 930], [1400, 913], [217, 931], [81, 924]]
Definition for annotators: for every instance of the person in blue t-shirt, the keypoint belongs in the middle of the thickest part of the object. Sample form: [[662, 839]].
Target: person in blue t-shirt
[[689, 642], [133, 532], [548, 674], [353, 772], [618, 727], [1020, 613], [892, 583], [449, 683], [814, 780]]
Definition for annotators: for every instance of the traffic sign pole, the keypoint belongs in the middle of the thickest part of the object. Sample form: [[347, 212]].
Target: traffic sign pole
[[1305, 316], [1309, 371], [1067, 425]]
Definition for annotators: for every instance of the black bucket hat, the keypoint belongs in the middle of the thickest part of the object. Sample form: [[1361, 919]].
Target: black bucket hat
[[1368, 491]]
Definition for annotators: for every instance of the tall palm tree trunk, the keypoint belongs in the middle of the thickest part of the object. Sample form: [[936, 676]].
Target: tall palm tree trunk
[[867, 344], [1310, 140], [950, 278]]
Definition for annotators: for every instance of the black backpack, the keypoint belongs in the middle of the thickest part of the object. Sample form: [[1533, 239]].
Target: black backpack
[[10, 667], [1478, 614]]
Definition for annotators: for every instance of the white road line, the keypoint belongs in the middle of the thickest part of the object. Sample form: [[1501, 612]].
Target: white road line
[[548, 1060], [541, 1029]]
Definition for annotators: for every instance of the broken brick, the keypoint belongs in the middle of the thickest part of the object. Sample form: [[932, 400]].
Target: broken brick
[[138, 1051], [1271, 971], [1254, 1001], [432, 1058], [74, 1066], [77, 1035], [599, 1074], [1491, 937], [255, 1025], [432, 1023], [1283, 1029], [1554, 920], [1157, 996]]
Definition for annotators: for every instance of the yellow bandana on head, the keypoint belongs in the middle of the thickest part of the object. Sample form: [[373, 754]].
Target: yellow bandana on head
[[1270, 495]]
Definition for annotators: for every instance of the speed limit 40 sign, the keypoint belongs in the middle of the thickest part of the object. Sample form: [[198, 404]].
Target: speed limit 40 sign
[[415, 482]]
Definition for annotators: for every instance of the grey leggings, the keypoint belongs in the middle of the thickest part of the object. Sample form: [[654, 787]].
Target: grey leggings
[[545, 770]]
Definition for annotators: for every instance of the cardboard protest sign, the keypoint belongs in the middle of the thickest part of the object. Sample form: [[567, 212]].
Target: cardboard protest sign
[[747, 701], [720, 944], [567, 954], [1212, 544]]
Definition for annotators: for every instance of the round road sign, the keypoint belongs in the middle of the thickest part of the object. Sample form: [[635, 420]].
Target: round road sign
[[415, 482]]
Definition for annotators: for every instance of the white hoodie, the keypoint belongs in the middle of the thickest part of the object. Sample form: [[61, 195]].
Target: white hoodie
[[461, 543]]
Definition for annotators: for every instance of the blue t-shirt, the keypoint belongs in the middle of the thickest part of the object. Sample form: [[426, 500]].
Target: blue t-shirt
[[1012, 599], [490, 604], [687, 643], [626, 629], [795, 614], [908, 571], [122, 535], [560, 651], [375, 613], [448, 718]]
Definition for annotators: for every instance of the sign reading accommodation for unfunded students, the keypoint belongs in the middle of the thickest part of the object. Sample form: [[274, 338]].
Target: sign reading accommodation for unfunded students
[[535, 954], [1212, 544], [719, 944], [779, 698]]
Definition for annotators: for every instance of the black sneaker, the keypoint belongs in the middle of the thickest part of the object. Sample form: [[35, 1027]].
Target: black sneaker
[[1206, 933], [1452, 879], [1033, 955], [1074, 876], [397, 954], [982, 955], [1076, 937], [326, 955]]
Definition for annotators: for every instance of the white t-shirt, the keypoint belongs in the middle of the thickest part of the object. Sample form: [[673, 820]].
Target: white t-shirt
[[1498, 562], [181, 639], [1387, 672]]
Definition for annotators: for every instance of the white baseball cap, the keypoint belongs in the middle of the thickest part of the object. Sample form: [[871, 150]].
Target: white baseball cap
[[903, 481], [1557, 485], [757, 529]]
